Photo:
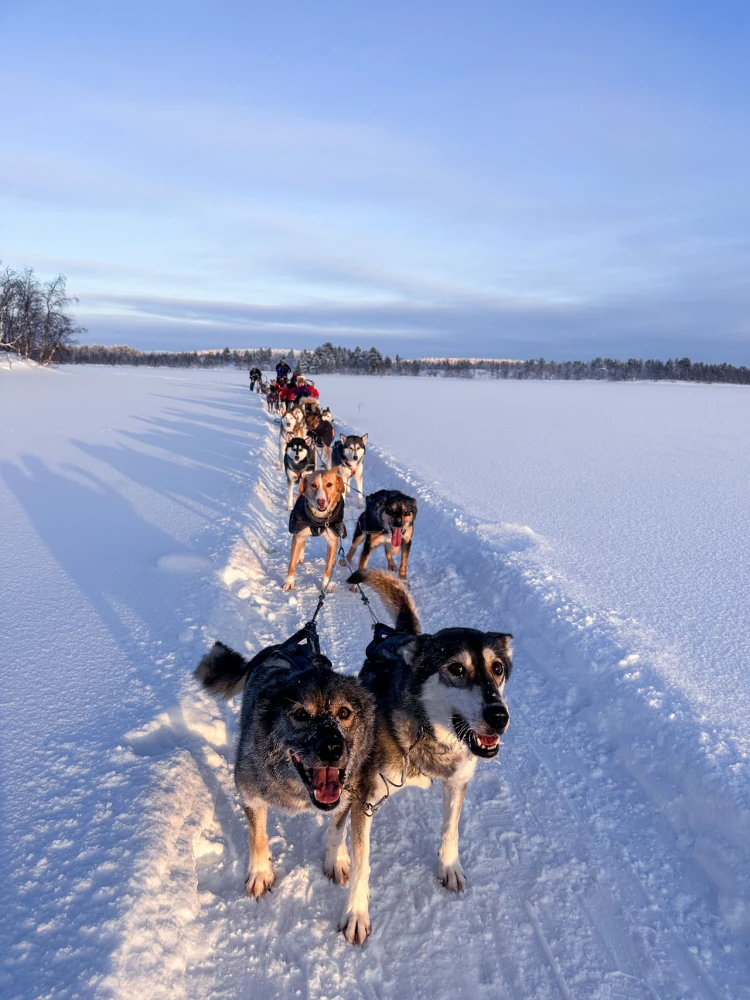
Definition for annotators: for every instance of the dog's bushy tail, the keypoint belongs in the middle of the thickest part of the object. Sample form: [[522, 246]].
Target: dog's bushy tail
[[222, 672], [394, 595]]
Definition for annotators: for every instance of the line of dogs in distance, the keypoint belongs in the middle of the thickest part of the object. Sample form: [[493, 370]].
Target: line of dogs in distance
[[307, 436], [423, 708]]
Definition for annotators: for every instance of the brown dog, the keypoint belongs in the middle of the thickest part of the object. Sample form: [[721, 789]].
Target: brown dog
[[319, 510], [322, 433]]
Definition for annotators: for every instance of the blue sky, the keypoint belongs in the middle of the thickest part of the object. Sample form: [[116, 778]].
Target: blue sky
[[500, 179]]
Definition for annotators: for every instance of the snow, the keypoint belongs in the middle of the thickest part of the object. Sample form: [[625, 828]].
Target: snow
[[607, 851]]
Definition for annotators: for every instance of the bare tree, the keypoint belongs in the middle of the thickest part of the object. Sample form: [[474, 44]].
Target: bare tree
[[35, 317]]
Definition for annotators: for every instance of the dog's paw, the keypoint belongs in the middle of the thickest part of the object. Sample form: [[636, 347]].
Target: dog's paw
[[452, 877], [354, 588], [355, 926], [288, 584], [337, 868], [259, 881]]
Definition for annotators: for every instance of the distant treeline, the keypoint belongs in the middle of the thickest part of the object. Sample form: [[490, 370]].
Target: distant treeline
[[331, 359], [35, 317]]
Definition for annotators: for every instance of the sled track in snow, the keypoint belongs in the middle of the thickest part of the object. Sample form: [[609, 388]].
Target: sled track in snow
[[590, 872]]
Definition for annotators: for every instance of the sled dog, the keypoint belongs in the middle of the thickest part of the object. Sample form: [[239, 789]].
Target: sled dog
[[439, 709], [290, 425], [299, 459], [388, 519], [349, 454], [319, 510], [321, 431], [304, 733]]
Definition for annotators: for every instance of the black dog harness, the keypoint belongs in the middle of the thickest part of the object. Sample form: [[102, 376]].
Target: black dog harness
[[300, 468], [301, 518], [385, 643], [300, 650], [322, 434]]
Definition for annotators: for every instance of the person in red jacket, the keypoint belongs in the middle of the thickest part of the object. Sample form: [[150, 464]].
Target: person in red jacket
[[287, 394]]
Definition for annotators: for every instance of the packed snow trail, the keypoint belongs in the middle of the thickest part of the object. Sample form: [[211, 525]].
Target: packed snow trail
[[127, 846]]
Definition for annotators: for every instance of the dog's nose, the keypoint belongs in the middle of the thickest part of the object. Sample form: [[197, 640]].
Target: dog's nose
[[329, 748], [496, 717]]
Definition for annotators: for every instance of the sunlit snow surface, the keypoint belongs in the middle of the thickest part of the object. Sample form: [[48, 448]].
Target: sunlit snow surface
[[606, 851]]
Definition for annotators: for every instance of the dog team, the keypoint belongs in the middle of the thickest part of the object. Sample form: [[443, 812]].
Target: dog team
[[423, 708]]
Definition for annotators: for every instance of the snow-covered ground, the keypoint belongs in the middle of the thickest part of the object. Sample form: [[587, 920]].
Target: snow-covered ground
[[607, 851]]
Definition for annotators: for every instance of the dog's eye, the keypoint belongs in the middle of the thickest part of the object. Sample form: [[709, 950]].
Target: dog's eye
[[300, 714], [498, 669], [344, 713], [456, 669]]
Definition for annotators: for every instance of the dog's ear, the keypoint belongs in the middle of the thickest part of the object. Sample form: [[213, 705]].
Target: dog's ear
[[343, 437], [364, 438], [504, 642], [502, 639], [308, 441], [409, 650], [289, 436], [339, 481]]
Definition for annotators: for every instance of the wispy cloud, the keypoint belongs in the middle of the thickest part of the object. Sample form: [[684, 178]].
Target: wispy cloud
[[490, 180]]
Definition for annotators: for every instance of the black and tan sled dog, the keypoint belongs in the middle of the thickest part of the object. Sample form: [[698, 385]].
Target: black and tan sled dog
[[439, 709], [388, 519], [305, 732]]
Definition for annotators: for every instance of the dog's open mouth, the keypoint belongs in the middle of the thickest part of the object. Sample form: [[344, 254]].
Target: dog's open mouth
[[396, 537], [322, 505], [480, 744], [325, 784]]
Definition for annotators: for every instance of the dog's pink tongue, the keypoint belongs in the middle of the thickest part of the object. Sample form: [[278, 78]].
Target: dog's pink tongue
[[326, 785], [488, 741], [396, 538]]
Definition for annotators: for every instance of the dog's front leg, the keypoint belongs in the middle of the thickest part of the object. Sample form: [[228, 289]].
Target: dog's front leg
[[336, 864], [359, 480], [331, 540], [298, 550], [290, 492], [355, 920], [450, 872], [259, 871], [358, 536], [389, 557], [405, 551], [371, 543]]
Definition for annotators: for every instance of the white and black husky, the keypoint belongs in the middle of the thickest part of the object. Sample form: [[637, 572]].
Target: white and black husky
[[349, 455], [440, 709], [299, 459], [291, 423]]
